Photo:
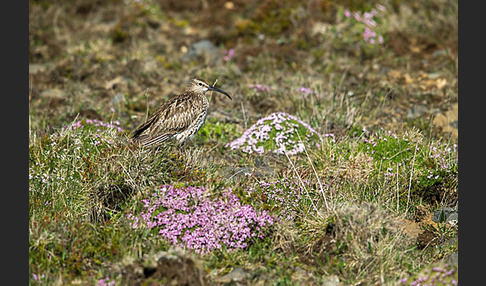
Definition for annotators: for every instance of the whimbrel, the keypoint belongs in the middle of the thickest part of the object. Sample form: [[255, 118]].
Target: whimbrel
[[178, 119]]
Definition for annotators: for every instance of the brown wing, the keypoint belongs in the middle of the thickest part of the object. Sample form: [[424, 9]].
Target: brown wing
[[175, 116]]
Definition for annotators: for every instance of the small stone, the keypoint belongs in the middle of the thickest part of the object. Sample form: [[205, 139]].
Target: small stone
[[453, 259], [236, 275], [37, 68], [54, 94], [203, 50], [176, 266], [112, 83], [331, 280], [448, 121], [417, 111], [229, 5], [150, 66], [118, 98], [453, 216], [442, 214]]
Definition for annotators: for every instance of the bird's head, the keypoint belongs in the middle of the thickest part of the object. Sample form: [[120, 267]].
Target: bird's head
[[200, 85]]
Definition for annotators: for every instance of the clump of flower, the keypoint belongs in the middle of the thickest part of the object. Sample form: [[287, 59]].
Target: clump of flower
[[260, 87], [285, 196], [75, 142], [101, 130], [105, 282], [444, 275], [442, 153], [97, 124], [187, 217], [228, 54], [306, 90], [432, 162], [38, 277], [369, 34], [280, 133]]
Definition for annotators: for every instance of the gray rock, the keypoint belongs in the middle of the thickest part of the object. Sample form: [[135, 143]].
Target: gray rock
[[203, 50], [53, 94], [236, 275], [150, 66], [237, 173], [417, 111], [444, 214], [453, 259], [175, 266], [331, 280], [118, 99], [36, 68], [448, 121], [453, 216]]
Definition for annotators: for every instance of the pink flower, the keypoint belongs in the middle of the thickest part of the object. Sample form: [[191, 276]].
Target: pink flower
[[187, 217], [380, 7], [260, 87], [306, 90], [369, 35], [229, 54]]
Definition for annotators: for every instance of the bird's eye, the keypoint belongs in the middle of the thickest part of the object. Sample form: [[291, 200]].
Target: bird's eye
[[200, 84]]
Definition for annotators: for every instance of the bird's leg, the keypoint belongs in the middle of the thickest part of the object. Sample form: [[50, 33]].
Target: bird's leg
[[182, 150]]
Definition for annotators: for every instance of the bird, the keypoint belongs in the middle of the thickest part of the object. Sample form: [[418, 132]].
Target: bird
[[179, 118]]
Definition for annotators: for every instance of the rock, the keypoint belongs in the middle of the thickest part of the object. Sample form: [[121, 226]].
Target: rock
[[331, 280], [54, 94], [448, 121], [38, 68], [150, 66], [237, 275], [117, 99], [89, 113], [203, 50], [453, 216], [176, 267], [300, 274], [453, 259], [417, 111], [238, 173], [444, 214], [111, 84]]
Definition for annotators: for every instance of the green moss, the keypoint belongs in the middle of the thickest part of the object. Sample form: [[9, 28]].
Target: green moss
[[215, 131]]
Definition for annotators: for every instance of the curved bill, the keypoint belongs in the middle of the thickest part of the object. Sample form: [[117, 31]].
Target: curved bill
[[220, 91]]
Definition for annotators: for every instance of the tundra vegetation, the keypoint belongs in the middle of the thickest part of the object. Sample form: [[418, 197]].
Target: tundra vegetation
[[338, 146]]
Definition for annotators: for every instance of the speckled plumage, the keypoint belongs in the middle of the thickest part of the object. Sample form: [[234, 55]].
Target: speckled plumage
[[178, 119]]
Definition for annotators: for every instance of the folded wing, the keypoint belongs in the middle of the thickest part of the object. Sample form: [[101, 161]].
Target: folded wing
[[172, 118]]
